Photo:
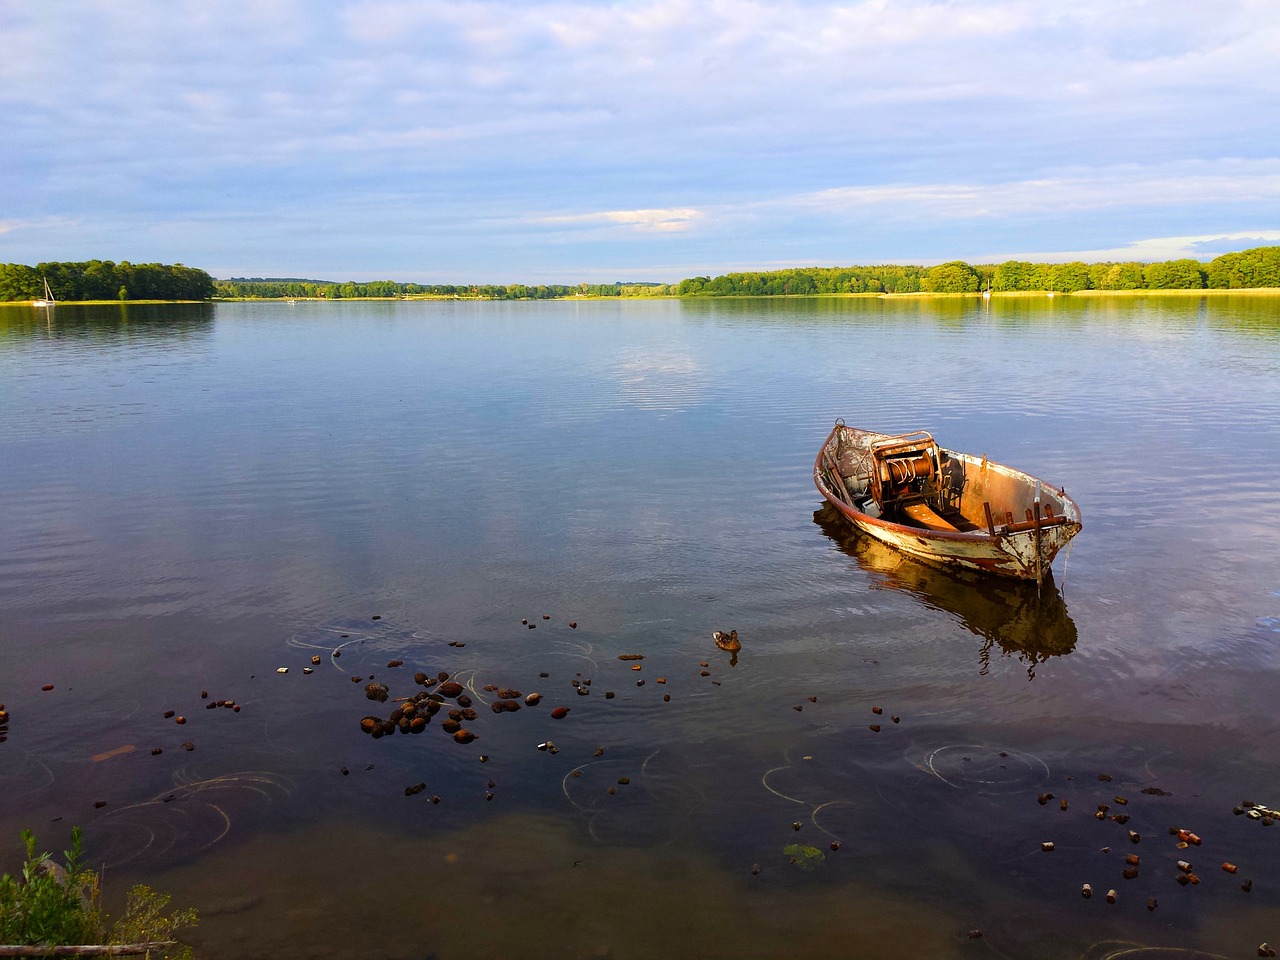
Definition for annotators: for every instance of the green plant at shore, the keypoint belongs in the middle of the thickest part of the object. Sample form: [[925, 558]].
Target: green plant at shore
[[53, 904]]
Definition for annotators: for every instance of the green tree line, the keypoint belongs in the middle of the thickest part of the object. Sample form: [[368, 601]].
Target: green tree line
[[274, 288], [105, 280], [1258, 267]]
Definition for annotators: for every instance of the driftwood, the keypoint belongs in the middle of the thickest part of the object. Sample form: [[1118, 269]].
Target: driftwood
[[86, 950]]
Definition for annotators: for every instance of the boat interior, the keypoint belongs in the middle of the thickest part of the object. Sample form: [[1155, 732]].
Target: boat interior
[[909, 479]]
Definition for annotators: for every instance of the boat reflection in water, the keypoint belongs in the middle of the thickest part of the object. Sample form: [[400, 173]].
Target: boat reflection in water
[[1011, 614]]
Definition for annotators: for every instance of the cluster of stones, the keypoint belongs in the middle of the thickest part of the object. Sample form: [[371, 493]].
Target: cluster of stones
[[412, 714], [1184, 839]]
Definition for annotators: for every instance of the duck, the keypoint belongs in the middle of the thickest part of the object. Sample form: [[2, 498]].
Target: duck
[[727, 641]]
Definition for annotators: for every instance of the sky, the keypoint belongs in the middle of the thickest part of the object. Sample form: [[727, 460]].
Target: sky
[[497, 141]]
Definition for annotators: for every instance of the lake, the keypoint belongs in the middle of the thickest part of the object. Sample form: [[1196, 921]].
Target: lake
[[514, 495]]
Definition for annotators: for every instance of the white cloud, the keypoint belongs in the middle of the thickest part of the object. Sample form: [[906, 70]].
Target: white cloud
[[648, 221], [1223, 182], [1202, 247]]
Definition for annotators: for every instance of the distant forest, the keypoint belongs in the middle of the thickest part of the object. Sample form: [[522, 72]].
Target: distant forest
[[287, 288], [1259, 267], [105, 280]]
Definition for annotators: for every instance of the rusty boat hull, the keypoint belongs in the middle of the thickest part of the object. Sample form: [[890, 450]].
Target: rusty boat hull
[[945, 507]]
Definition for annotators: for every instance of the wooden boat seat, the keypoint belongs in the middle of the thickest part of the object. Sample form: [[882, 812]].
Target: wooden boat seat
[[922, 515]]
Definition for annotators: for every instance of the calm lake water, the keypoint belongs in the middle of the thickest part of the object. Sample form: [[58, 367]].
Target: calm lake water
[[196, 496]]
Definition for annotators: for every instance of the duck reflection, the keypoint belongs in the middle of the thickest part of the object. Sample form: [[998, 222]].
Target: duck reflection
[[1004, 612]]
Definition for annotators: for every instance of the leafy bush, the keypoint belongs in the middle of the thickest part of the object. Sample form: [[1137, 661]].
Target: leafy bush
[[55, 905]]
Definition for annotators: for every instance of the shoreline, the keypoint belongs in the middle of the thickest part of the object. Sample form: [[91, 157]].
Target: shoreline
[[917, 295]]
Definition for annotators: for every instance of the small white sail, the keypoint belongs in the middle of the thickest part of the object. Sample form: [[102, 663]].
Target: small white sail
[[48, 300]]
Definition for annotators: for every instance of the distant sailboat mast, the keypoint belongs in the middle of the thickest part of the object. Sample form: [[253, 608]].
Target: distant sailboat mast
[[48, 300]]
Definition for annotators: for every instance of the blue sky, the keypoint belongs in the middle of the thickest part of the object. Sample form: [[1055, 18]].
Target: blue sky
[[497, 141]]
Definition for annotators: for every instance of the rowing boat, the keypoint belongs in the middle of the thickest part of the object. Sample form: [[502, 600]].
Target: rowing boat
[[945, 507]]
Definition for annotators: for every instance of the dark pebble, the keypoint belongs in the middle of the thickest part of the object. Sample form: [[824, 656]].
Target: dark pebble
[[168, 714], [559, 713], [573, 624], [47, 687], [204, 694], [874, 728], [609, 694], [395, 663], [376, 616], [99, 804], [464, 736], [877, 710], [156, 751], [188, 746]]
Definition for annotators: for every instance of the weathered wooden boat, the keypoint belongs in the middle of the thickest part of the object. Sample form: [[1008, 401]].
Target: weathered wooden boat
[[944, 507]]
